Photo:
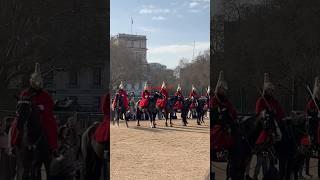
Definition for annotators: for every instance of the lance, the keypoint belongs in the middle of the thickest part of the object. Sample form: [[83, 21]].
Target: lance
[[313, 99]]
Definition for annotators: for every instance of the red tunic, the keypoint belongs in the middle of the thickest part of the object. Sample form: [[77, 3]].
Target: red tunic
[[144, 99], [194, 95], [221, 139], [49, 123], [124, 95], [178, 105], [102, 133], [275, 107], [274, 104], [161, 103]]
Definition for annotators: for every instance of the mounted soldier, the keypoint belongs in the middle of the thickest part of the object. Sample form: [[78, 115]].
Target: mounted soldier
[[145, 95], [194, 97], [224, 116], [162, 101], [179, 97], [45, 103], [271, 112], [122, 93], [312, 110]]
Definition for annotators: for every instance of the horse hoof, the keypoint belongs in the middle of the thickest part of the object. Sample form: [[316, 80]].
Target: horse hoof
[[138, 124]]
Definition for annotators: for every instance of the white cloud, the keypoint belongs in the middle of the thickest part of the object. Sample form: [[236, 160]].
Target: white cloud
[[193, 4], [171, 54], [158, 18], [150, 9]]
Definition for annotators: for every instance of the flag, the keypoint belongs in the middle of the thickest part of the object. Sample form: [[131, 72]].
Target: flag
[[131, 20]]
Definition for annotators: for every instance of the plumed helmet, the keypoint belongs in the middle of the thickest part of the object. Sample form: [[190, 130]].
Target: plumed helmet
[[36, 80], [267, 84], [179, 87], [163, 86], [193, 88], [146, 86], [222, 83], [121, 86]]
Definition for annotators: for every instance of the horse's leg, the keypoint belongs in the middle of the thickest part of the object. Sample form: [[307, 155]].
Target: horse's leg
[[125, 118], [170, 117], [153, 117], [166, 117]]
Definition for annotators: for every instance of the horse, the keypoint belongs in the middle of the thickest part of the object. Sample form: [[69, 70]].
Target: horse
[[201, 102], [119, 110], [150, 111], [168, 110], [192, 108], [287, 151], [94, 155], [184, 111], [68, 166], [33, 149], [244, 134], [291, 153]]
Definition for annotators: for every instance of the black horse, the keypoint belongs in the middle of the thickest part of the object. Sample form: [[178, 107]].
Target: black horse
[[184, 111], [150, 111], [291, 153], [167, 111], [201, 102], [33, 150], [244, 136], [119, 110]]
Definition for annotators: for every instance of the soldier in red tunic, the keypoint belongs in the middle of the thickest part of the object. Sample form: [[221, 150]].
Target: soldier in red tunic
[[102, 134], [42, 99], [145, 95], [223, 117], [269, 109], [162, 102], [312, 110], [179, 97], [121, 92]]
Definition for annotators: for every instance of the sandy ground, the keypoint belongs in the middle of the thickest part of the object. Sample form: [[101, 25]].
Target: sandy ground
[[220, 170], [178, 152]]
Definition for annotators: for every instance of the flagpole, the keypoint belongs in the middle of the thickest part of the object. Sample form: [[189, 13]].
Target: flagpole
[[131, 24]]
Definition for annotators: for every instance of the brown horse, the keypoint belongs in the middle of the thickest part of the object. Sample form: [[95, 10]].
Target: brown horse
[[95, 155]]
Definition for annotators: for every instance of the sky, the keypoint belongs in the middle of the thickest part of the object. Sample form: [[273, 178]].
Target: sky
[[171, 26]]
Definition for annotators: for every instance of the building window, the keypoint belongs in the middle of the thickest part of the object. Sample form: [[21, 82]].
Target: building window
[[97, 77], [73, 79], [132, 44]]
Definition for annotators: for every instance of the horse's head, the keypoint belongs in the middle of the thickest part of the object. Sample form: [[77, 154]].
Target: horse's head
[[157, 95], [23, 110]]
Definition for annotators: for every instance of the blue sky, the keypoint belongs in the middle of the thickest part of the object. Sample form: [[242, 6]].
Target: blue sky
[[171, 26]]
